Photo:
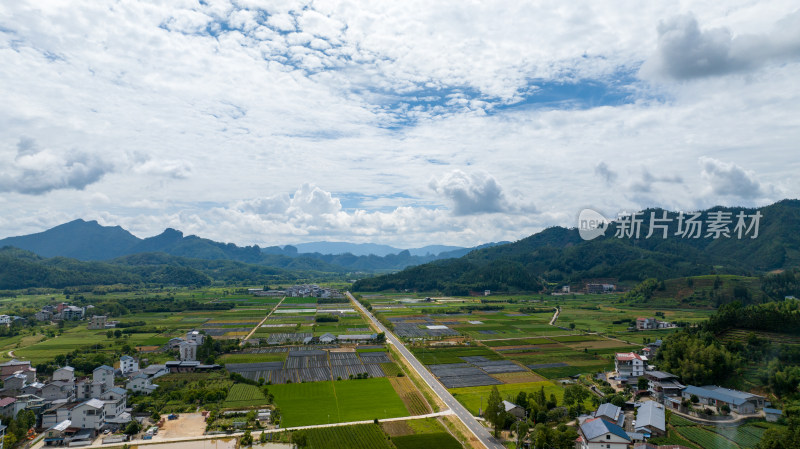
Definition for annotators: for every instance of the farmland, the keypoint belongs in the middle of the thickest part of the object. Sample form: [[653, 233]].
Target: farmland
[[337, 401], [364, 436], [474, 398], [243, 395], [427, 441]]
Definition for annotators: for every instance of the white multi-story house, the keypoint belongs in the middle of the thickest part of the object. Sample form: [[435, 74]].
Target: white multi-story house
[[188, 351], [195, 336], [58, 389], [66, 374], [629, 364], [103, 374], [128, 364], [141, 383], [89, 415], [114, 401], [5, 319]]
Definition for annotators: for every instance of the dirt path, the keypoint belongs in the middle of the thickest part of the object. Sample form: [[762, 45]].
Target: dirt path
[[555, 317], [262, 322]]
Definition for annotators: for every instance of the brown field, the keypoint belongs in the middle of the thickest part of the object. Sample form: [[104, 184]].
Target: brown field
[[410, 396], [396, 428], [518, 378], [147, 348], [521, 348], [601, 344]]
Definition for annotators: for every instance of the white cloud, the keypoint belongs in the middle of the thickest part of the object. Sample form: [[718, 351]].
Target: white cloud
[[222, 118], [608, 175], [729, 179], [685, 51], [36, 171]]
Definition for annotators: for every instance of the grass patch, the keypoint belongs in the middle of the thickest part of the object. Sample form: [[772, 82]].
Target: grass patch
[[347, 437], [312, 403], [244, 395], [475, 397], [441, 440]]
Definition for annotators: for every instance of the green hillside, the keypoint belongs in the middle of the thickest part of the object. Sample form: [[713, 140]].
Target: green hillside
[[559, 256]]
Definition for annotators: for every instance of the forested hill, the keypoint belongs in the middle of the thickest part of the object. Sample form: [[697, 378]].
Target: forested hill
[[90, 241], [559, 255], [24, 269]]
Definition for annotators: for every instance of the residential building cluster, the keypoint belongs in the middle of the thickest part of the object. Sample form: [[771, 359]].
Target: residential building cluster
[[62, 311], [643, 324], [299, 291], [68, 406]]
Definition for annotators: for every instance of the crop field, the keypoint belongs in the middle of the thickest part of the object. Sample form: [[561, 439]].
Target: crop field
[[745, 436], [474, 397], [441, 440], [243, 395], [251, 358], [363, 436], [431, 356], [311, 403], [706, 439], [411, 397]]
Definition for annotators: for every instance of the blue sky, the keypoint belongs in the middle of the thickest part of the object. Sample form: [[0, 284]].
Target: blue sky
[[407, 123]]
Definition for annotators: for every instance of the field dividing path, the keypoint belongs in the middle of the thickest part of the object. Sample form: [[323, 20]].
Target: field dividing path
[[459, 410], [262, 322], [555, 317]]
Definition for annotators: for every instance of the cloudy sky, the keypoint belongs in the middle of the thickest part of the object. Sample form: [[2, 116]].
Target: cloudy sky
[[404, 123]]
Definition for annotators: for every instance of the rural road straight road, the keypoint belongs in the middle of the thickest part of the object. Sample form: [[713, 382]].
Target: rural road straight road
[[465, 416]]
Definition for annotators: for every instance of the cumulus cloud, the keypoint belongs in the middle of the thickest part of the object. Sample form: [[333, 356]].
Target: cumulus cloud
[[470, 194], [608, 175], [729, 179], [176, 169], [685, 51], [647, 180], [35, 170]]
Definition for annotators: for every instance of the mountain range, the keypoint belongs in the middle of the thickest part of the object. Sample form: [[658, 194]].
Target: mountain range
[[90, 241], [559, 255]]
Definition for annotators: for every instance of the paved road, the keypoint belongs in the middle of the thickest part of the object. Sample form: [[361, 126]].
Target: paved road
[[465, 416], [139, 442], [262, 322]]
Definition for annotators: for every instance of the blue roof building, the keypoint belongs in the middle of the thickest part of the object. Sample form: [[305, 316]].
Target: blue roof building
[[650, 419], [739, 401], [596, 431]]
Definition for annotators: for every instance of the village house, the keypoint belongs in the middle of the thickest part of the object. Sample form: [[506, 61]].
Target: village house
[[650, 420], [128, 365], [662, 384], [597, 433], [610, 413], [13, 366], [97, 322], [141, 383], [739, 401], [188, 351], [629, 364], [65, 373], [514, 410]]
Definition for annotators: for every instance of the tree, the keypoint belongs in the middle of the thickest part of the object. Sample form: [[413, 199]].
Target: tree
[[262, 438], [247, 439], [572, 325], [642, 384], [495, 411], [299, 438], [522, 400], [522, 432], [133, 427], [694, 399]]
